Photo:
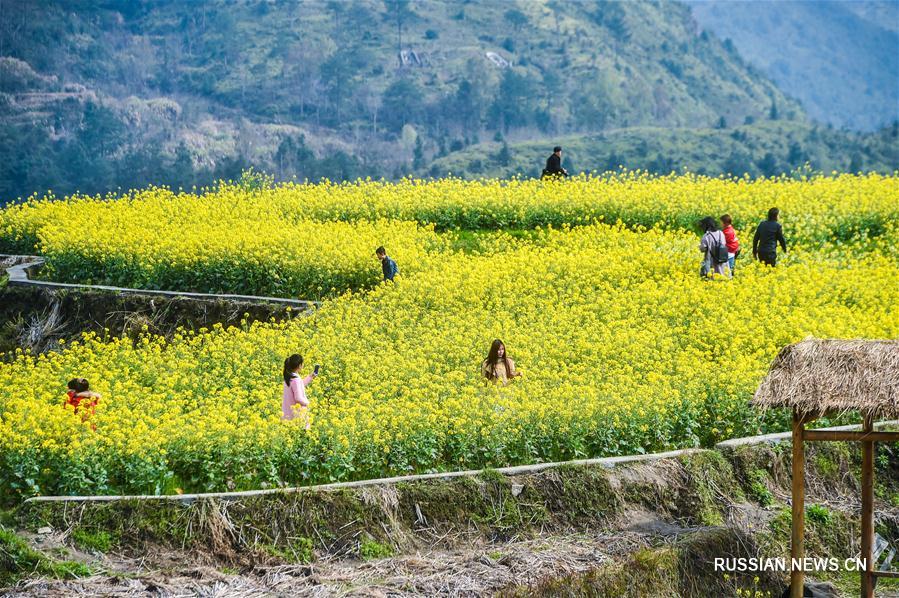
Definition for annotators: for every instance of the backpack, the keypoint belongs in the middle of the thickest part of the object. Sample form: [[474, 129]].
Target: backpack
[[718, 252]]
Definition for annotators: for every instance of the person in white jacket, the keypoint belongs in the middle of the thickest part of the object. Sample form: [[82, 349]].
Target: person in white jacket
[[712, 240]]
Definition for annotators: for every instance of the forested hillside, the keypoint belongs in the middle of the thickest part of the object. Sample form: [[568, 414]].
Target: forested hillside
[[839, 58], [124, 94], [762, 149]]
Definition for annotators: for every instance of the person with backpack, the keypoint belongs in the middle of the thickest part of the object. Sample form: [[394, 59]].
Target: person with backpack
[[733, 245], [714, 249]]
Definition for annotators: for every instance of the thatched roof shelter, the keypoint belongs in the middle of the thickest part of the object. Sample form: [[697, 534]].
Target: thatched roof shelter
[[815, 377], [820, 376]]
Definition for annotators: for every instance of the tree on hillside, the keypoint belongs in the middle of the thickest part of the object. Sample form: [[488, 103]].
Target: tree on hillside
[[182, 174], [83, 169], [504, 156], [466, 105], [302, 80], [231, 168], [339, 166], [796, 155], [611, 16], [337, 10], [102, 132], [399, 10], [516, 18], [418, 155], [556, 7], [357, 22], [143, 164], [513, 102], [768, 165], [403, 97], [293, 157], [737, 164], [341, 74], [614, 162], [591, 106]]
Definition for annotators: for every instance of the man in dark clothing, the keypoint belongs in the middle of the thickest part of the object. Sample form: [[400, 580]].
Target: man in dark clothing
[[388, 266], [554, 164], [768, 234]]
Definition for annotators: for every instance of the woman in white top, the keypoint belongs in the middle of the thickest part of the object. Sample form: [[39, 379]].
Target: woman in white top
[[295, 389], [712, 238]]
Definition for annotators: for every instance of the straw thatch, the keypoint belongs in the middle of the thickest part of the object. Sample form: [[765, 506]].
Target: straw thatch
[[821, 376]]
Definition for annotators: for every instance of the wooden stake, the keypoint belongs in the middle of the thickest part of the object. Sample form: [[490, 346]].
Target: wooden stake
[[868, 511], [797, 545]]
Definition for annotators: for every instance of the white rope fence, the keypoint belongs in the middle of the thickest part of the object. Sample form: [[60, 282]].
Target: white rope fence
[[608, 462], [20, 274]]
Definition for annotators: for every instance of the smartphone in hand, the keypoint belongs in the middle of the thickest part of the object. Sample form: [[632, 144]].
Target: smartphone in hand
[[318, 366]]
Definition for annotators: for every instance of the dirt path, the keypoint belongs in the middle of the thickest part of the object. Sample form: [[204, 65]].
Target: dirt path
[[472, 572]]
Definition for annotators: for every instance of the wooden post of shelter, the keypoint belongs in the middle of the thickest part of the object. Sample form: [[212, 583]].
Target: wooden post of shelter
[[818, 377], [867, 553], [797, 540]]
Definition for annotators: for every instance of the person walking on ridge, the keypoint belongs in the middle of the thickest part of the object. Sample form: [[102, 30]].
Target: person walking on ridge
[[554, 164]]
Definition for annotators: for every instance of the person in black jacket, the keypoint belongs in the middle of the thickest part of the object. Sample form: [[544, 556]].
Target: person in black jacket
[[554, 164], [768, 234]]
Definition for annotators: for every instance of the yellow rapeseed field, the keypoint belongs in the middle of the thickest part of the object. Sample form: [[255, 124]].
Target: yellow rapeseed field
[[622, 346], [820, 208], [216, 244]]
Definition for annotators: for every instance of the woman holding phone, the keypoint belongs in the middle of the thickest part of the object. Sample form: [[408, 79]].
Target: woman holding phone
[[295, 389]]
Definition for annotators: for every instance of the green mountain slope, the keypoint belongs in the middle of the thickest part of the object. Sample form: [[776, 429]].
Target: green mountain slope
[[105, 94], [839, 58], [767, 148]]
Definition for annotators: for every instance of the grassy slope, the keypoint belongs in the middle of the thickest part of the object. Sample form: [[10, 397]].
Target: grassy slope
[[710, 151], [728, 502]]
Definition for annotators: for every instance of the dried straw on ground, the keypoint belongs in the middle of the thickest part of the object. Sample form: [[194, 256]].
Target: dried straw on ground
[[826, 376]]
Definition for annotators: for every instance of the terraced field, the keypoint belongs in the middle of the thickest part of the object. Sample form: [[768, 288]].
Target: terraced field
[[591, 283]]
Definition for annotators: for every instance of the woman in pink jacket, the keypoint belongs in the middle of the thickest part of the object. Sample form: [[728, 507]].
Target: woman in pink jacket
[[295, 389]]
